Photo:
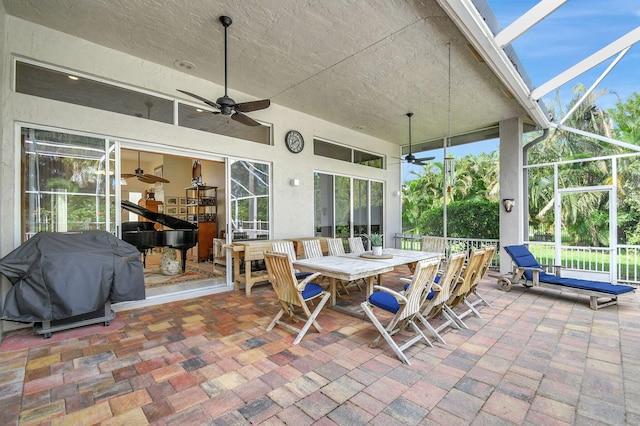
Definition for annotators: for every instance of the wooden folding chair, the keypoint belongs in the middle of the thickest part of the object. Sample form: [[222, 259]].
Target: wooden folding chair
[[336, 248], [404, 307], [433, 244], [489, 252], [356, 246], [292, 293], [440, 294], [468, 279], [288, 248], [312, 249]]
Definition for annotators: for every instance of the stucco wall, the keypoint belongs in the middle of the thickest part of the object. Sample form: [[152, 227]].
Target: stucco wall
[[292, 206]]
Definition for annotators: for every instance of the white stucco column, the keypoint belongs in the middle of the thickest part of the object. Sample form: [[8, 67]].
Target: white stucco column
[[511, 180]]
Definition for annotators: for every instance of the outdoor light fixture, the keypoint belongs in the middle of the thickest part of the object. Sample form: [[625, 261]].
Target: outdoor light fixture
[[509, 204]]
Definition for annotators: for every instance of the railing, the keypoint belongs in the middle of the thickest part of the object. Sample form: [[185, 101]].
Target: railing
[[454, 245], [587, 259], [593, 259]]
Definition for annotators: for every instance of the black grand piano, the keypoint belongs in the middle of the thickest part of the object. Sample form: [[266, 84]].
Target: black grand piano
[[144, 236]]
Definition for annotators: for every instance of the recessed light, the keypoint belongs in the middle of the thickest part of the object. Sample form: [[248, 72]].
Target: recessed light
[[183, 64], [199, 110], [73, 77]]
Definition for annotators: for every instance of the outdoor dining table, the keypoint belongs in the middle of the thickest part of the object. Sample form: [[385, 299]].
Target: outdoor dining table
[[350, 267]]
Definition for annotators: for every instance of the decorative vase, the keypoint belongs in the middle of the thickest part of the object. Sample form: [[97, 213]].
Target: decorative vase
[[172, 267], [377, 250]]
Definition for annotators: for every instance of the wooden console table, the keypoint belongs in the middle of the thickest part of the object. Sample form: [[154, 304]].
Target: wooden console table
[[248, 250]]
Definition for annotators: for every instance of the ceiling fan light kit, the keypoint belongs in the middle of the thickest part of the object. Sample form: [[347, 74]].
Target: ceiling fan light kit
[[224, 104]]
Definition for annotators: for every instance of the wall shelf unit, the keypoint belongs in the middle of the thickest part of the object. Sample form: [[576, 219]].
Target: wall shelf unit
[[202, 210]]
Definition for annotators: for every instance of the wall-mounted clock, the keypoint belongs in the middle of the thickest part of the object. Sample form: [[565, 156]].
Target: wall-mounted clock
[[294, 141]]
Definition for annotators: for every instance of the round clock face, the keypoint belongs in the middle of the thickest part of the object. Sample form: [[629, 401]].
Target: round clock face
[[294, 141]]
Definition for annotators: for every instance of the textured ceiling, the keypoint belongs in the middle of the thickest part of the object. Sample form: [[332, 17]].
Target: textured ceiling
[[362, 64]]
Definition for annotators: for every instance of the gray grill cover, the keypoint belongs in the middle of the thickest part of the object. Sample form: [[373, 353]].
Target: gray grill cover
[[57, 276]]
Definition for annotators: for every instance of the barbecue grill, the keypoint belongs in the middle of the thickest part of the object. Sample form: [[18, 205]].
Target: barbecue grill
[[65, 280]]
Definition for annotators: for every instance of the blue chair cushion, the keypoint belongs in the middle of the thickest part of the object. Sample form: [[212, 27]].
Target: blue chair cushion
[[302, 275], [523, 258], [431, 293], [384, 301], [600, 286], [311, 290]]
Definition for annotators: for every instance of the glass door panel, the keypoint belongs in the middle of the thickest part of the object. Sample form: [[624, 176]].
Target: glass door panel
[[323, 212], [68, 182], [342, 201], [360, 207], [249, 192]]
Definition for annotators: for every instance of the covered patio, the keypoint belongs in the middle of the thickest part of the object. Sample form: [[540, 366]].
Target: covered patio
[[534, 358]]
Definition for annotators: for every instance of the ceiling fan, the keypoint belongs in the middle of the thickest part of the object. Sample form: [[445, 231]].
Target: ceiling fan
[[142, 176], [410, 158], [225, 105]]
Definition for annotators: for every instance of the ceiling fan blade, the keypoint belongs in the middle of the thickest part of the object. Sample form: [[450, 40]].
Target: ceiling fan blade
[[241, 118], [206, 101], [425, 159], [145, 179], [155, 178], [127, 175], [253, 106]]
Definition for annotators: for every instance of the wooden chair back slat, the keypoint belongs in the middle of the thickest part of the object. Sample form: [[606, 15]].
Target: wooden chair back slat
[[356, 246], [312, 249], [335, 245]]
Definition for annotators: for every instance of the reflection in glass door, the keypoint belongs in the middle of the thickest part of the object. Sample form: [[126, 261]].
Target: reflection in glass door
[[249, 192], [68, 182]]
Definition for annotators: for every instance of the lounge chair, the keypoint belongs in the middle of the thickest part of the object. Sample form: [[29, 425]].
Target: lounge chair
[[528, 268]]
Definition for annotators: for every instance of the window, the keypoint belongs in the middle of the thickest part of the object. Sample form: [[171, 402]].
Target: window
[[347, 207], [74, 88], [71, 88], [344, 153]]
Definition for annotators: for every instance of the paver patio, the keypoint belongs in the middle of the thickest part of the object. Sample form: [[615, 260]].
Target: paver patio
[[535, 357]]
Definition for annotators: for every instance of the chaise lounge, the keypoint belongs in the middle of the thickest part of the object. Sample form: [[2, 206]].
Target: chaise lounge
[[527, 267]]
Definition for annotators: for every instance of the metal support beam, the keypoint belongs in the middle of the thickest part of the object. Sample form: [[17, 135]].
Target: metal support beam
[[581, 67], [598, 137], [521, 25], [594, 85], [468, 20]]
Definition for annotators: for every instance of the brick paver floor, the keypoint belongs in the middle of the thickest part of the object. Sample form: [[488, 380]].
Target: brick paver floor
[[535, 357]]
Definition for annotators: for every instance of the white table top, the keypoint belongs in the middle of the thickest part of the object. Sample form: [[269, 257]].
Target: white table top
[[352, 266]]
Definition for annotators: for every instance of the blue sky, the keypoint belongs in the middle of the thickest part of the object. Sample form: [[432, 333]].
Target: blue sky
[[573, 32]]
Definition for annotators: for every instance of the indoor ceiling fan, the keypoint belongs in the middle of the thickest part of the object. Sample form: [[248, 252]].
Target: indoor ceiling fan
[[142, 176], [225, 105], [410, 158]]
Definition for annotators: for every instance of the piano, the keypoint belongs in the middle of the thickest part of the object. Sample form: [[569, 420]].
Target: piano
[[144, 236]]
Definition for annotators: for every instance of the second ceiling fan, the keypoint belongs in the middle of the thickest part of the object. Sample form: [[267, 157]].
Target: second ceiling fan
[[225, 105], [410, 158]]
